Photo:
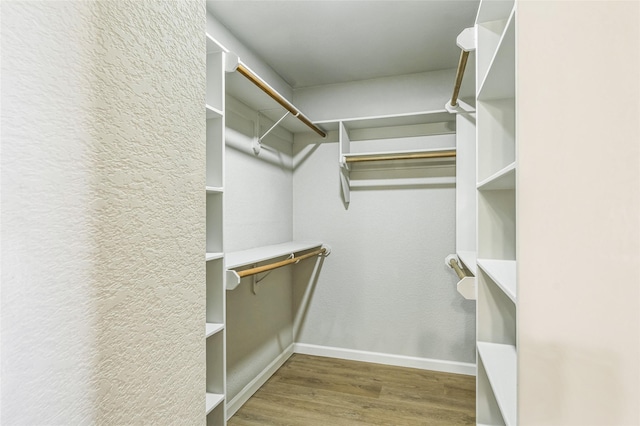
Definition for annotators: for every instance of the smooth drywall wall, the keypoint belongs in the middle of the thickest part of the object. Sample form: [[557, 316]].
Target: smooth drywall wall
[[385, 288], [578, 68], [103, 213], [258, 212]]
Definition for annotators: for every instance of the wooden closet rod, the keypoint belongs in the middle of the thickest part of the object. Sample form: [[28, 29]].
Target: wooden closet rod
[[278, 98], [462, 64], [412, 156], [280, 264], [456, 267]]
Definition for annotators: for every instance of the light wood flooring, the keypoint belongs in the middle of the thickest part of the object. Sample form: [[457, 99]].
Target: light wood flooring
[[313, 391]]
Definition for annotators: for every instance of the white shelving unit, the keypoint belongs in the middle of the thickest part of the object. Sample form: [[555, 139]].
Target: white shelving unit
[[496, 183], [215, 304], [402, 130], [257, 255]]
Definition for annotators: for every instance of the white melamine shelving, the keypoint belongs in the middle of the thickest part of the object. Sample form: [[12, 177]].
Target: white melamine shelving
[[500, 364], [213, 400], [392, 135], [215, 286], [497, 186], [499, 82], [504, 178], [260, 254], [503, 273], [469, 260], [213, 328], [214, 256]]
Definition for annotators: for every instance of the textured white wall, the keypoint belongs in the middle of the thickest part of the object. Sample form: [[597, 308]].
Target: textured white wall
[[579, 213], [103, 279], [258, 212], [385, 287]]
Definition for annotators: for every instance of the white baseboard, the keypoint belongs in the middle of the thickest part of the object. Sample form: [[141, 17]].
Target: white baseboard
[[253, 386], [388, 359]]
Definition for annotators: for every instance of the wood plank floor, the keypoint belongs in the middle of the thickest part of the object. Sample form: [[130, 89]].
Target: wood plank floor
[[309, 390]]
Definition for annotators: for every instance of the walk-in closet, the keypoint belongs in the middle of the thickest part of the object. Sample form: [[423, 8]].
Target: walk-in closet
[[320, 213]]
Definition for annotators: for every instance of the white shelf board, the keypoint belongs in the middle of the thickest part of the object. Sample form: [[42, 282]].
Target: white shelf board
[[500, 80], [500, 362], [214, 190], [213, 46], [213, 328], [213, 400], [503, 273], [492, 10], [213, 112], [469, 260], [504, 178], [395, 120], [214, 256], [260, 254]]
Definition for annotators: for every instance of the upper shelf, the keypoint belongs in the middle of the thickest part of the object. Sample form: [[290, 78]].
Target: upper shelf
[[499, 80], [492, 10], [356, 126], [503, 273], [260, 254], [504, 178]]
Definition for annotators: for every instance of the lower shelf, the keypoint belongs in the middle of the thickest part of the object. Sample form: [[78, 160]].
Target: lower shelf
[[213, 328], [213, 400], [500, 362]]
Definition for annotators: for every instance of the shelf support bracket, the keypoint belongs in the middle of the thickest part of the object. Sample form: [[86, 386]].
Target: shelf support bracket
[[257, 143], [467, 284]]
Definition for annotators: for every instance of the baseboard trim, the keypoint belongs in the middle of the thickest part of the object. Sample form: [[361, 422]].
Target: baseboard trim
[[387, 359], [252, 387]]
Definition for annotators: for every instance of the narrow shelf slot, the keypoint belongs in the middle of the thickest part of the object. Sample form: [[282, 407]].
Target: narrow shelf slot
[[213, 400], [214, 256], [213, 112], [213, 328], [499, 80], [502, 179], [503, 273], [469, 260], [493, 10], [214, 190], [500, 363]]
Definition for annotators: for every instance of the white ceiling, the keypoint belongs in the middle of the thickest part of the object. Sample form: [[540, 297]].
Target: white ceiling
[[311, 43]]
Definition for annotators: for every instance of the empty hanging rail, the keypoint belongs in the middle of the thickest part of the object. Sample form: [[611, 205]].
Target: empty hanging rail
[[275, 265], [401, 156], [262, 85], [466, 42]]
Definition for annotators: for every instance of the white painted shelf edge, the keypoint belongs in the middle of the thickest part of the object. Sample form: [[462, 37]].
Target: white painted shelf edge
[[213, 46], [504, 178], [469, 260], [392, 120], [503, 273], [500, 363], [213, 328], [213, 400], [214, 256], [490, 10], [504, 40], [214, 190], [260, 254], [213, 112]]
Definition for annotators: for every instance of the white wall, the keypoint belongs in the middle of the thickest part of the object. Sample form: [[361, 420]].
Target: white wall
[[258, 212], [103, 150], [385, 287], [578, 71]]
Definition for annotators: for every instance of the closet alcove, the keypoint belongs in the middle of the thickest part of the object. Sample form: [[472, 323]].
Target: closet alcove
[[372, 183]]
